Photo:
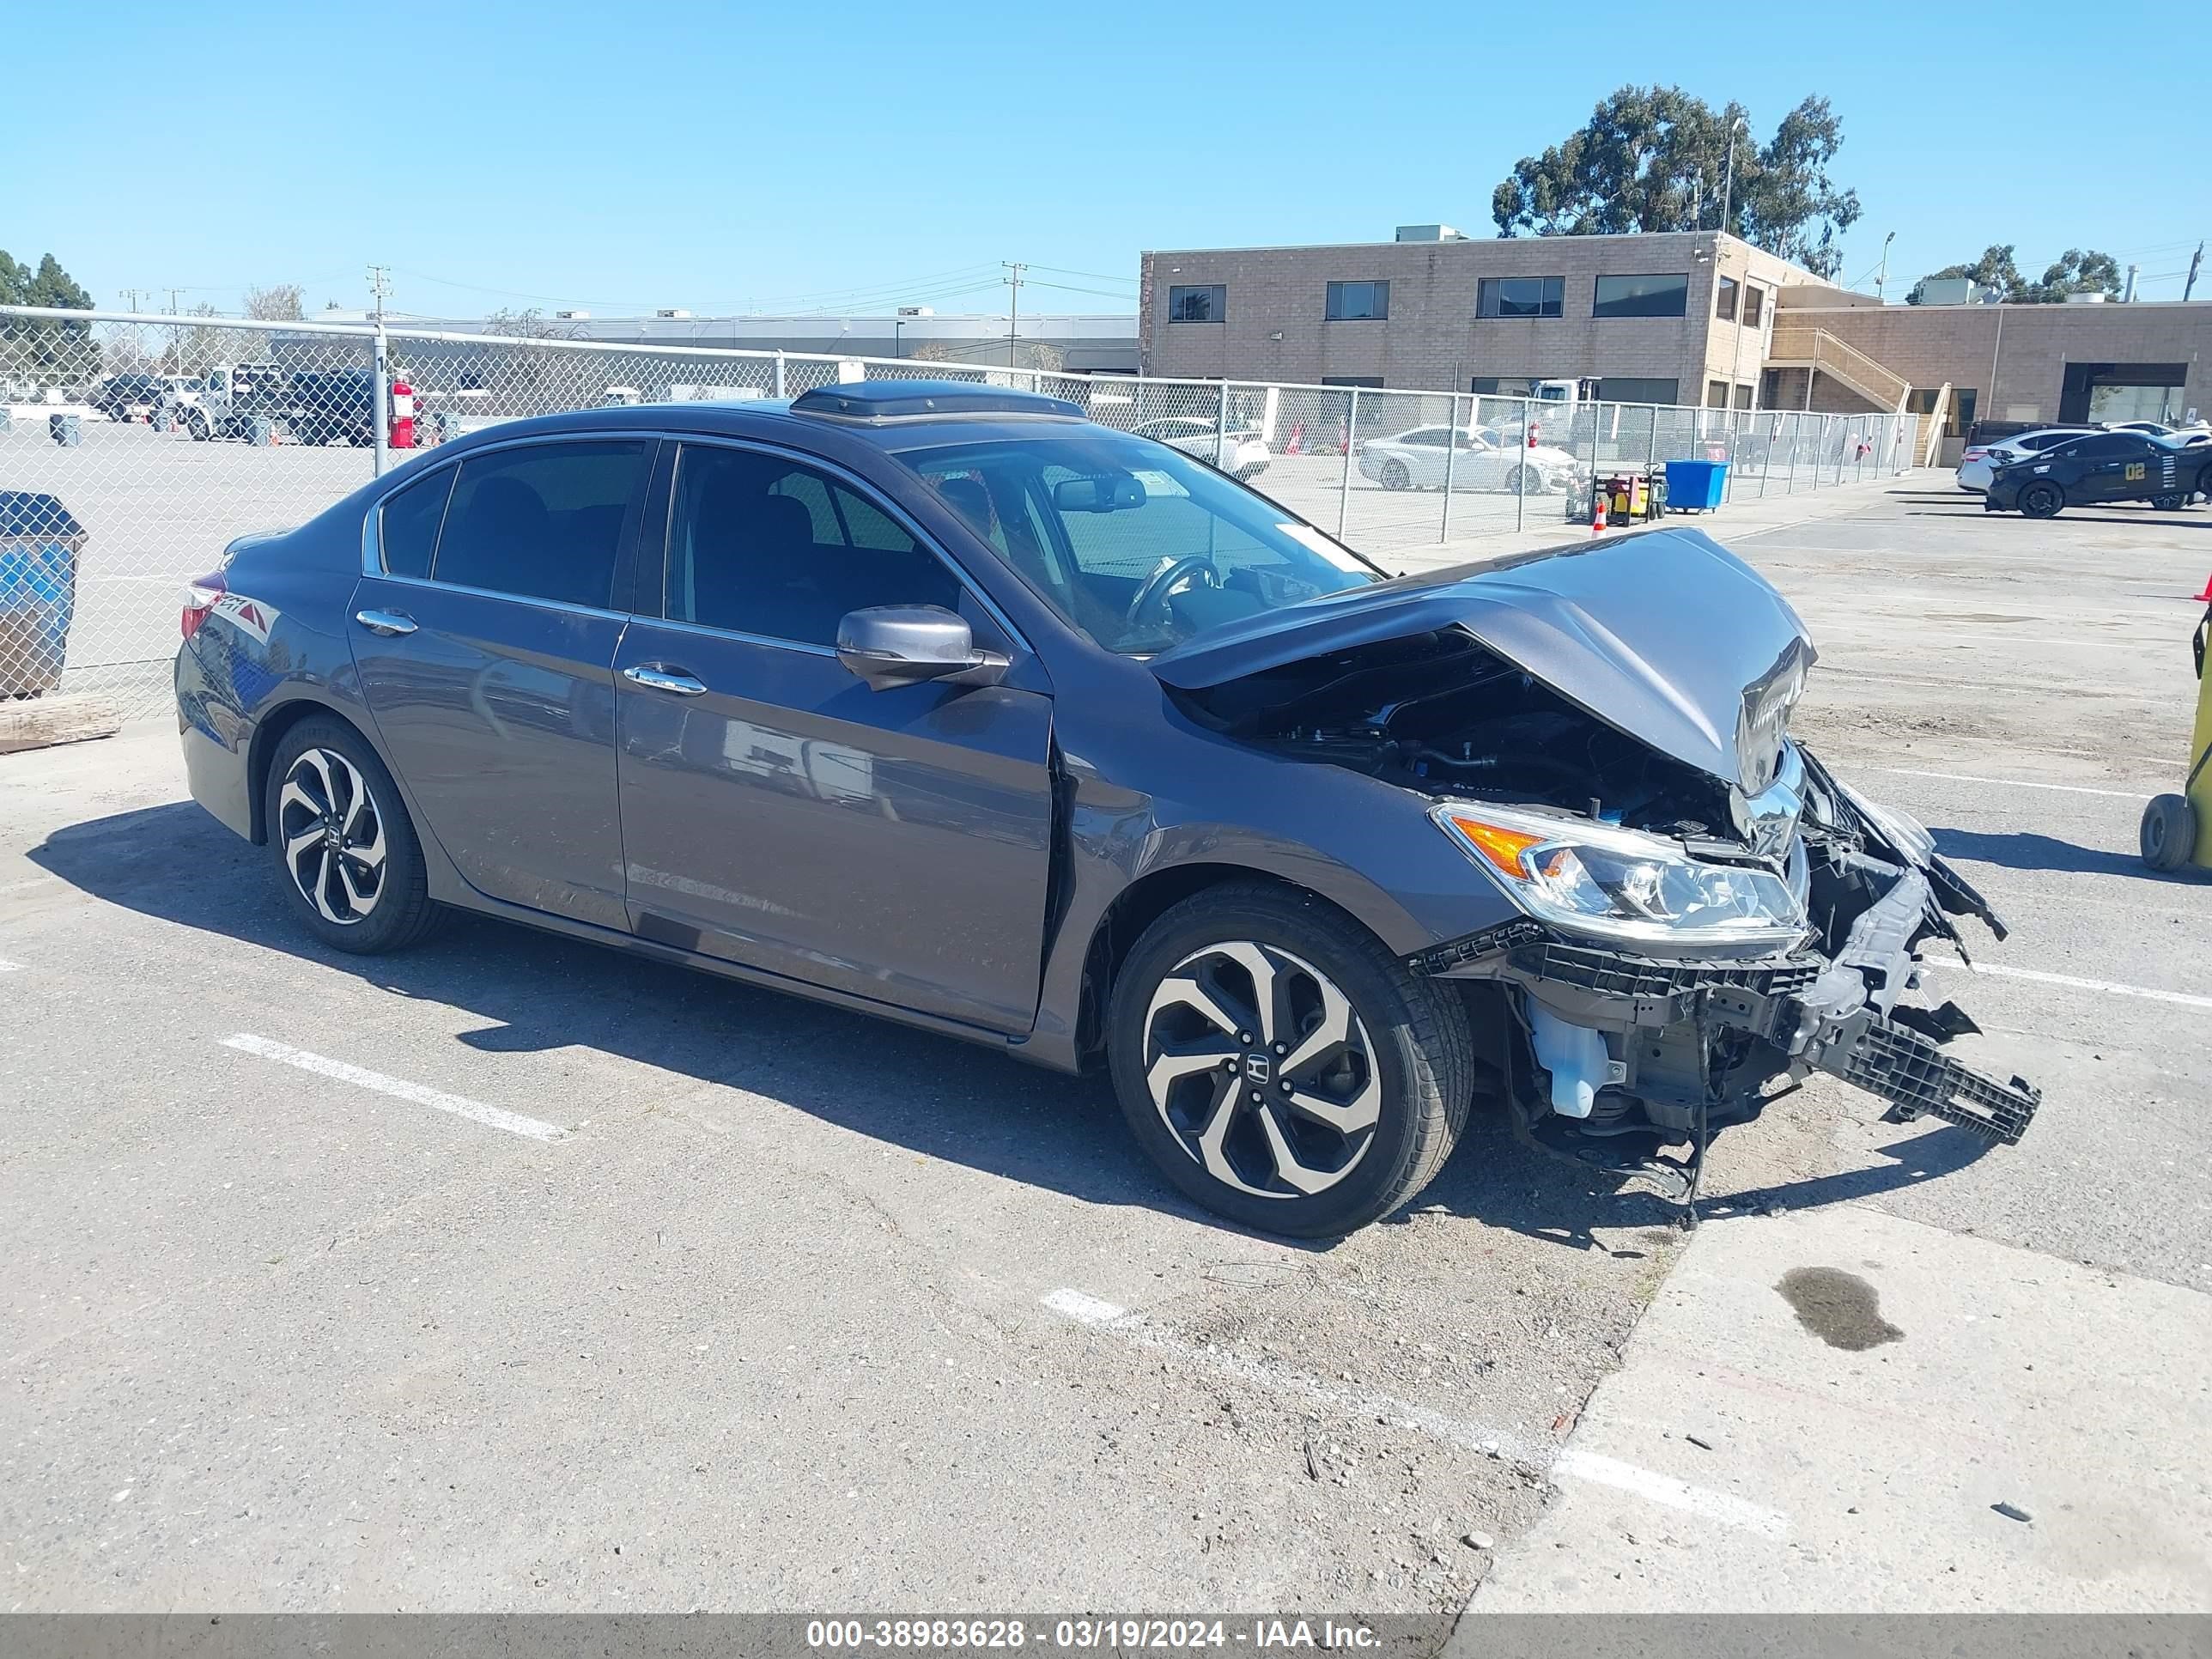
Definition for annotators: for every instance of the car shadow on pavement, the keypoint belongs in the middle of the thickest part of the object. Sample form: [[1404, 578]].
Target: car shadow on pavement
[[2026, 849], [1938, 1150], [716, 1043]]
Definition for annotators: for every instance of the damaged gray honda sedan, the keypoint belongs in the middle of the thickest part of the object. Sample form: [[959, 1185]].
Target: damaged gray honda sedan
[[941, 703]]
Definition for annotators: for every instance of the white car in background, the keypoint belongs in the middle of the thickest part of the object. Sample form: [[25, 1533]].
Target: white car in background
[[1240, 452], [1979, 462], [1420, 458]]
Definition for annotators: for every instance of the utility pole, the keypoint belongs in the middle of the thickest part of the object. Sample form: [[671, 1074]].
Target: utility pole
[[1882, 278], [1013, 310], [2195, 260], [1728, 186], [379, 284]]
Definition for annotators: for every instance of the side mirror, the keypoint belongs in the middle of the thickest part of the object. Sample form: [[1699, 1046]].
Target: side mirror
[[891, 645]]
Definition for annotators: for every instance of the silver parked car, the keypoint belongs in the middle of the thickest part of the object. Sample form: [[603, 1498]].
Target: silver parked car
[[1240, 452], [1423, 458]]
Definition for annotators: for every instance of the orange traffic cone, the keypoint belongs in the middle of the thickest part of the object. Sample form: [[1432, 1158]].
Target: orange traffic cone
[[2205, 598], [1297, 443], [1597, 518]]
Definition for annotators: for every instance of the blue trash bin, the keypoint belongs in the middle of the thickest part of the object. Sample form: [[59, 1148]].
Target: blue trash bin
[[1695, 486], [39, 541]]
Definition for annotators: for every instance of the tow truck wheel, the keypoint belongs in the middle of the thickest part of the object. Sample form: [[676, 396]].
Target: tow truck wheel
[[2169, 832], [2041, 501], [1281, 1066]]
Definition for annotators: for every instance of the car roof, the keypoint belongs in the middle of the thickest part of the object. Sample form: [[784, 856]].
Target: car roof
[[890, 415]]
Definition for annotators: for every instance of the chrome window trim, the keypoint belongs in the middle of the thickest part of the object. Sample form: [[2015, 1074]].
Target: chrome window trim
[[806, 647], [868, 493], [431, 585]]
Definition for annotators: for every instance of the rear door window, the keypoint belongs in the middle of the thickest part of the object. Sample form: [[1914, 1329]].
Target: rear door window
[[543, 521], [761, 545], [408, 530]]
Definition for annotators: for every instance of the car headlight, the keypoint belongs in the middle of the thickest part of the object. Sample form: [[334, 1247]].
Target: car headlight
[[1596, 879]]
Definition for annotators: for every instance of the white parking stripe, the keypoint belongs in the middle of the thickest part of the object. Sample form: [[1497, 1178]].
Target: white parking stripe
[[475, 1110], [2110, 987], [2017, 783], [7, 967], [1369, 1404]]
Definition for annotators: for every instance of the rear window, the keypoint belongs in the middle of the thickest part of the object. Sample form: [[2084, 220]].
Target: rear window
[[409, 530], [542, 521]]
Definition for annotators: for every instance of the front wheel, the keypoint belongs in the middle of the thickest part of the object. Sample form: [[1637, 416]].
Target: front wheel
[[2168, 833], [1525, 480], [1395, 476], [1281, 1066], [2173, 501], [348, 855], [2041, 501]]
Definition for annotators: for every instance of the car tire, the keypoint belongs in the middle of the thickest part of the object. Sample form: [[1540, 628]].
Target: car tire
[[2042, 500], [1386, 1052], [197, 429], [1525, 480], [365, 889], [2171, 502], [2168, 834], [1395, 476]]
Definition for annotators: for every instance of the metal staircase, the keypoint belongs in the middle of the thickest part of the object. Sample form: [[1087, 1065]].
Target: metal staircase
[[1816, 350]]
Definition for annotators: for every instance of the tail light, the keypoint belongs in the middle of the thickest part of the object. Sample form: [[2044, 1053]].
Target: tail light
[[200, 597]]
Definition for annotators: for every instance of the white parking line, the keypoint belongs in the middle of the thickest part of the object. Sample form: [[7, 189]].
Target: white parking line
[[2016, 783], [8, 967], [2109, 986], [475, 1110], [1370, 1404]]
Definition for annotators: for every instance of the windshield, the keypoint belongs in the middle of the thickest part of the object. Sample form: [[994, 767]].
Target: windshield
[[1137, 545]]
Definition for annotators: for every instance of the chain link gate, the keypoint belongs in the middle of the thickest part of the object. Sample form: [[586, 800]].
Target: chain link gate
[[134, 447]]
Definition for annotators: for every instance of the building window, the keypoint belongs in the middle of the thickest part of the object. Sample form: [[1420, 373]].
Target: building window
[[1716, 394], [1642, 296], [1352, 379], [1754, 302], [1743, 397], [1615, 390], [1199, 302], [1957, 414], [1724, 306], [1520, 296], [1354, 303]]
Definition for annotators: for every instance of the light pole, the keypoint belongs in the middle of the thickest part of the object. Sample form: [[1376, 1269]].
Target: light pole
[[1881, 276], [1728, 185]]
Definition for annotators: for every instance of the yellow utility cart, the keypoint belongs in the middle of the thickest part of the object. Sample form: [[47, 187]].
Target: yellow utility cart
[[2172, 836]]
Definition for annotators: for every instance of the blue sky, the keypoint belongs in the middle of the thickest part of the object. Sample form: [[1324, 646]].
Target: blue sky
[[853, 157]]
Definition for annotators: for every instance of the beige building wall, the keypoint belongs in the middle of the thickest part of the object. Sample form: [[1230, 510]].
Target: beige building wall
[[1275, 328], [2013, 357]]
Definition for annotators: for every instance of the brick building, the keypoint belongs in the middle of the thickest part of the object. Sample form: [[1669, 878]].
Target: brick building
[[1685, 318]]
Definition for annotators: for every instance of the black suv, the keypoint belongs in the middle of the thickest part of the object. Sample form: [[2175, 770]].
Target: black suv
[[2100, 467]]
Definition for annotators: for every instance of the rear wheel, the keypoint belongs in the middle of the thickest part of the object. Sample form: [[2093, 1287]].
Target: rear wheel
[[2169, 835], [2042, 500], [1395, 476], [349, 858], [1281, 1066]]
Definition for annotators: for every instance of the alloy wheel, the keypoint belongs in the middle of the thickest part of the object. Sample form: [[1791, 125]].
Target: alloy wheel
[[1262, 1070], [332, 833]]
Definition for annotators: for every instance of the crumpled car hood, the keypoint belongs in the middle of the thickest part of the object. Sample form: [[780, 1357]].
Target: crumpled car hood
[[1659, 633]]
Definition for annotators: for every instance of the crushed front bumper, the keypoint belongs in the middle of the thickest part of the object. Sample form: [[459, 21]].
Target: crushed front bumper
[[1693, 1044]]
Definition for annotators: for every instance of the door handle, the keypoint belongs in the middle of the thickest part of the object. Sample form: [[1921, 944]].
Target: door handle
[[659, 676], [389, 623]]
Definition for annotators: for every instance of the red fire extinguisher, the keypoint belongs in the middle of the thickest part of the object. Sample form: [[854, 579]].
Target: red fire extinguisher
[[403, 415]]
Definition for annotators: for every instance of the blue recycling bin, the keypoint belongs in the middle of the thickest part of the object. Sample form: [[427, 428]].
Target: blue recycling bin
[[39, 542], [1695, 486]]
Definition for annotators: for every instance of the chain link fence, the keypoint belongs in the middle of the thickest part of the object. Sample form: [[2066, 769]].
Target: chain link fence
[[133, 448]]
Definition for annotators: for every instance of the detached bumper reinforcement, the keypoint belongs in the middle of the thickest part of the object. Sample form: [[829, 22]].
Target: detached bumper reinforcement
[[1904, 1068]]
